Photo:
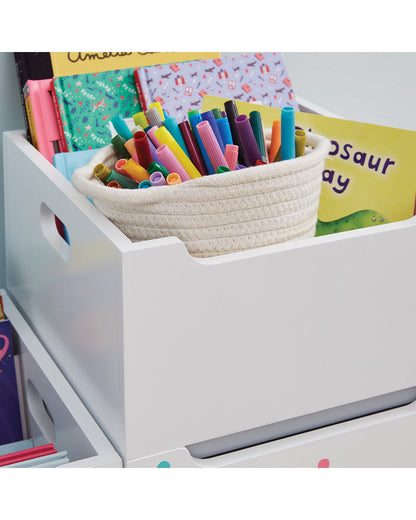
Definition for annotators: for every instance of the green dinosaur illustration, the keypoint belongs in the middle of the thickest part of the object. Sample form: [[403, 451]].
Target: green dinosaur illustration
[[357, 220]]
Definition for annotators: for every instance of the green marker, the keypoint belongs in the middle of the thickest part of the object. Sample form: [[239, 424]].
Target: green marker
[[118, 143], [156, 167], [300, 142], [123, 180], [217, 113], [223, 169], [257, 127]]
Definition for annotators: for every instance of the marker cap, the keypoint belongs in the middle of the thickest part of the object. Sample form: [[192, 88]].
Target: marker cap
[[247, 139]]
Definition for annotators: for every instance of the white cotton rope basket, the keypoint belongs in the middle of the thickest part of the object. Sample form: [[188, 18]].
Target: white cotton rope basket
[[222, 213]]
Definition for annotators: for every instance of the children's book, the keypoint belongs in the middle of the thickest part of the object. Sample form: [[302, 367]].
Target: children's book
[[180, 87], [10, 421], [86, 103], [368, 177]]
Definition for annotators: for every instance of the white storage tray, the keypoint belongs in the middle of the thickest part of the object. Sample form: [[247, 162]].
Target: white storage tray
[[52, 412], [168, 351]]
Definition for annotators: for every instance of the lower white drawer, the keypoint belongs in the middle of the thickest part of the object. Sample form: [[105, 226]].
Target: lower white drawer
[[52, 412], [380, 440]]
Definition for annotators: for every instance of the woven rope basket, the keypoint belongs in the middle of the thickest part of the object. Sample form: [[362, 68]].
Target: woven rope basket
[[222, 213]]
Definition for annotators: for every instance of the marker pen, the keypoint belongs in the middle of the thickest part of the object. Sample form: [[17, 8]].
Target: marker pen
[[102, 172], [120, 126], [288, 134], [140, 119], [145, 184], [118, 142], [192, 147], [142, 148], [154, 117], [232, 112], [171, 162], [275, 140], [209, 116], [173, 178], [157, 179], [211, 145], [137, 172], [171, 124], [225, 131], [195, 119], [258, 131], [158, 106], [114, 184], [247, 139], [164, 137], [119, 165], [130, 147], [123, 180], [231, 155], [300, 142], [158, 167]]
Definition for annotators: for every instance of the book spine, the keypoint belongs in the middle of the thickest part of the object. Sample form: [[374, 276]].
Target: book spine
[[139, 90], [21, 74], [30, 116], [58, 116]]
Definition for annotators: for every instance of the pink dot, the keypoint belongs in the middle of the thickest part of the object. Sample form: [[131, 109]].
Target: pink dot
[[323, 463]]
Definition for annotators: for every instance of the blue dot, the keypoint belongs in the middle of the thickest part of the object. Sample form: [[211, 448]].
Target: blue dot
[[84, 119], [116, 104], [164, 464]]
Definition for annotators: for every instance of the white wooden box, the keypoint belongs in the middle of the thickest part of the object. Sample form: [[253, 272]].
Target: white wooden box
[[169, 351], [51, 411]]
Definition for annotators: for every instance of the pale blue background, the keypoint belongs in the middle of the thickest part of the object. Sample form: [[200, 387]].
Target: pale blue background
[[371, 87]]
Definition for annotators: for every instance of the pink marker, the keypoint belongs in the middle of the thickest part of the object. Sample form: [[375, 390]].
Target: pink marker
[[171, 163], [211, 145], [119, 166], [151, 136], [231, 155]]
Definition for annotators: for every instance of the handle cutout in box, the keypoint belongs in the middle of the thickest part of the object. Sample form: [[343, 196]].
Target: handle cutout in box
[[55, 231], [40, 413]]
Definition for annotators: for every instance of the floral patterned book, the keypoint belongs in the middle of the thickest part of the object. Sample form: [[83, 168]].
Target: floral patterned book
[[86, 103]]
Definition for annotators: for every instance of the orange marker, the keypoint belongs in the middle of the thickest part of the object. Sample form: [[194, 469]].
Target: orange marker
[[276, 140], [130, 146], [173, 178], [114, 184]]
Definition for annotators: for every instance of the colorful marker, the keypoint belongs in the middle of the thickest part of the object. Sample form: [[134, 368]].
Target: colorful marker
[[123, 180], [114, 184], [258, 131], [130, 147], [209, 116], [275, 140], [137, 172], [173, 178], [211, 145], [300, 142], [159, 108], [171, 124], [154, 117], [102, 172], [288, 150], [195, 119], [231, 155], [140, 119], [121, 128], [157, 167], [141, 144], [165, 137], [232, 113], [118, 142], [225, 131], [247, 139], [157, 179], [145, 184], [119, 166], [192, 147], [171, 162]]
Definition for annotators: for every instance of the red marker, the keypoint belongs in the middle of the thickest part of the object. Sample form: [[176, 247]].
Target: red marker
[[142, 148]]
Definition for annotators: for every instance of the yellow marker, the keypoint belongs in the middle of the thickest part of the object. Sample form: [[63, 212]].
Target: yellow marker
[[130, 146], [137, 172], [140, 119], [173, 178], [165, 137], [300, 142], [159, 109], [102, 172]]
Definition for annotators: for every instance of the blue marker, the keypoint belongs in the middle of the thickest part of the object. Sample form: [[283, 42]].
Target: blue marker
[[171, 124], [194, 120], [145, 184], [209, 116], [225, 130], [120, 126], [287, 147]]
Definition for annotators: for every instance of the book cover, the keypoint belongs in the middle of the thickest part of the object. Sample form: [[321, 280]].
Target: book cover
[[368, 178], [42, 118], [70, 63], [10, 421], [68, 162], [86, 103], [180, 87]]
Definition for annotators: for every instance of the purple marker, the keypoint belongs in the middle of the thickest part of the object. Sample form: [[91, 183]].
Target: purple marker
[[248, 140], [157, 179]]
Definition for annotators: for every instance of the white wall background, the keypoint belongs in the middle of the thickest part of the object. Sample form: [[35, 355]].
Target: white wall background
[[376, 88]]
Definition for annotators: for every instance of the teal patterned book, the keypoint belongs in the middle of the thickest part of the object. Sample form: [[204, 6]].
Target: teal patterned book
[[86, 103]]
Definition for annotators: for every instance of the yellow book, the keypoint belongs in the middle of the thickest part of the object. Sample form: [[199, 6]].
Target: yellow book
[[369, 176], [70, 63]]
